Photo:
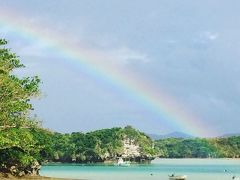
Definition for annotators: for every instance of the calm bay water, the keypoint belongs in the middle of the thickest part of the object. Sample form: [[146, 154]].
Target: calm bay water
[[159, 169]]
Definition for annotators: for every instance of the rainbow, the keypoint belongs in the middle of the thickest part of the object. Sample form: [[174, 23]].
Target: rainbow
[[102, 67]]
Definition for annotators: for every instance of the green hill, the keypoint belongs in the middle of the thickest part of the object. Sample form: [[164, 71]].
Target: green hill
[[98, 146], [199, 148]]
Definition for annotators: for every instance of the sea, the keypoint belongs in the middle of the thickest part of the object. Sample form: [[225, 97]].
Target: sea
[[159, 169]]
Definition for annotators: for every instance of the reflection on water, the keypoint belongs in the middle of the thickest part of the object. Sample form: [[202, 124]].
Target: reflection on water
[[195, 169]]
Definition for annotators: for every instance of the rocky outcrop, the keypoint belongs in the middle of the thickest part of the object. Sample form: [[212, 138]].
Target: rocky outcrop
[[132, 151], [19, 171], [130, 148], [33, 169]]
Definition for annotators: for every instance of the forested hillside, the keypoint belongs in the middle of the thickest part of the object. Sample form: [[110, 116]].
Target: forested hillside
[[97, 146], [108, 144], [199, 148]]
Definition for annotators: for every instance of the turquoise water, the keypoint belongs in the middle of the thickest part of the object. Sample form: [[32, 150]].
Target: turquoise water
[[195, 169]]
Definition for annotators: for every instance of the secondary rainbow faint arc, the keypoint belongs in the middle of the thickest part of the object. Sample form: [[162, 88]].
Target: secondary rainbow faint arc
[[96, 64]]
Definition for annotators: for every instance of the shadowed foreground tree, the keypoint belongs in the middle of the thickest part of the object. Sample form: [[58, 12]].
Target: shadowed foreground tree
[[17, 144]]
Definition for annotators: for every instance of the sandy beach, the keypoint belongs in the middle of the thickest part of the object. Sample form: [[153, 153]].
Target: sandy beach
[[32, 177]]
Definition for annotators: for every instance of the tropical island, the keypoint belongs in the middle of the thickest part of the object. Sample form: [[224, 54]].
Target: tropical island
[[25, 145]]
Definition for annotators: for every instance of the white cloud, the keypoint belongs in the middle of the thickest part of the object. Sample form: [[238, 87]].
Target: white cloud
[[203, 38], [210, 35], [126, 55], [36, 49]]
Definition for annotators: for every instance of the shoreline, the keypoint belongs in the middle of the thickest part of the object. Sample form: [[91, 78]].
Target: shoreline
[[152, 162], [10, 177], [112, 162]]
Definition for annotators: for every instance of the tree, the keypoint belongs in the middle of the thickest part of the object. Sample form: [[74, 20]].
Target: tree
[[15, 121]]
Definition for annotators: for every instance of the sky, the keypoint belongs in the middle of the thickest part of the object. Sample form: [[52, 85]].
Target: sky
[[186, 50]]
